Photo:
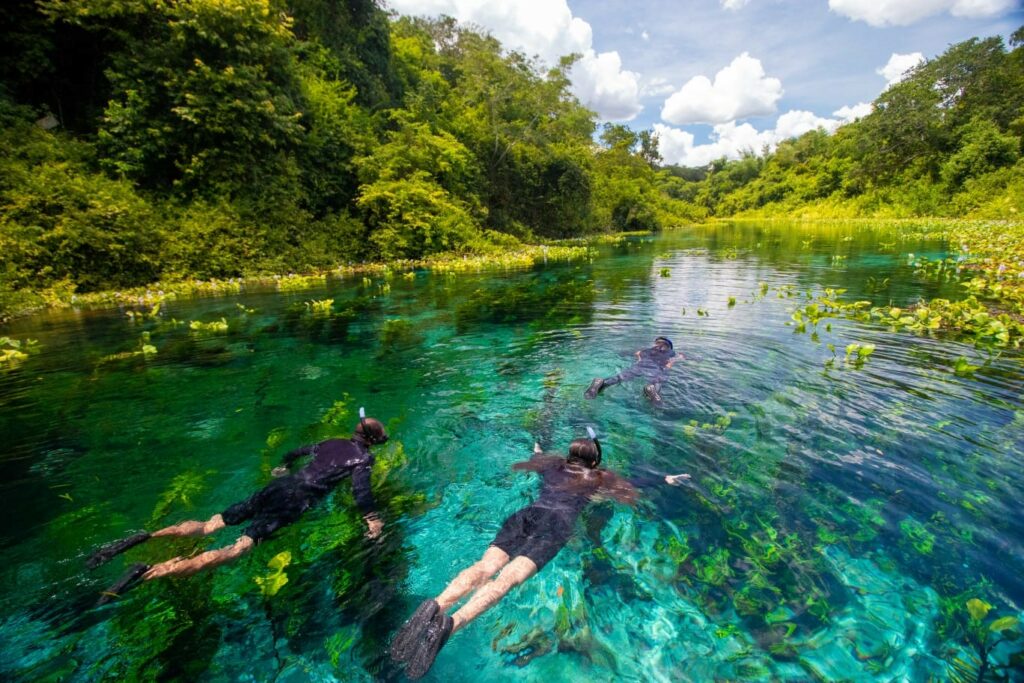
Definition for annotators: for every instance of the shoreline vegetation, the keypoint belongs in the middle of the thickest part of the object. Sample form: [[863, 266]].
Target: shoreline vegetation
[[220, 141], [987, 261]]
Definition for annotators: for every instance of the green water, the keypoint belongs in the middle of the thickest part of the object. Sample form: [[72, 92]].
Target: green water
[[836, 523]]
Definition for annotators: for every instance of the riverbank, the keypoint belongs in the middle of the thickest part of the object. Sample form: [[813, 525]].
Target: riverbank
[[987, 260], [22, 302]]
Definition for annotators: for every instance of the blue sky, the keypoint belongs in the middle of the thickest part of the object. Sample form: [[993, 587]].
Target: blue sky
[[717, 77]]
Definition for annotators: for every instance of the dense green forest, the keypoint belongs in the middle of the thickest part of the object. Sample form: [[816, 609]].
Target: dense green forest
[[147, 140], [215, 138], [946, 141]]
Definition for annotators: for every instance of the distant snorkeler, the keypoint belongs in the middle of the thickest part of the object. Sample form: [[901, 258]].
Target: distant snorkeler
[[280, 503], [652, 364], [527, 541]]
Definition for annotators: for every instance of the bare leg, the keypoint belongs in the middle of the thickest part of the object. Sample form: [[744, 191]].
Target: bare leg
[[180, 566], [192, 528], [517, 571], [473, 577]]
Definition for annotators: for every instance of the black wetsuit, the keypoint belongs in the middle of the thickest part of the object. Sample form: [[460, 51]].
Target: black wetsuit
[[284, 500], [652, 365], [541, 529]]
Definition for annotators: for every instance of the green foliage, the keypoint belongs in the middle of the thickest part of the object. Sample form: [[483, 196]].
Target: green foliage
[[229, 138], [275, 580], [944, 141]]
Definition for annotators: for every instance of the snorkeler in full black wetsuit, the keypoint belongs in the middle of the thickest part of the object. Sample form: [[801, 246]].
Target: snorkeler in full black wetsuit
[[526, 542], [653, 364], [276, 505]]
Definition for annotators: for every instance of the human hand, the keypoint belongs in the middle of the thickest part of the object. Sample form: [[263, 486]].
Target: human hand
[[675, 479], [279, 471]]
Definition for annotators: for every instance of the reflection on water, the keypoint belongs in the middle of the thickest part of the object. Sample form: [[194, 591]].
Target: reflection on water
[[837, 521]]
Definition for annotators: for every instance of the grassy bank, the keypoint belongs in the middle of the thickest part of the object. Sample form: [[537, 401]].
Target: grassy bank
[[19, 303]]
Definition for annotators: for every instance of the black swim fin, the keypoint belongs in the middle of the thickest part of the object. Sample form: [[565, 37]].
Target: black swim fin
[[408, 637], [434, 637], [595, 388], [109, 551], [128, 580]]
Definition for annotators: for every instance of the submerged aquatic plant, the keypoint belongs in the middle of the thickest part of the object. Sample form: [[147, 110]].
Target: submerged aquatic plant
[[985, 635], [13, 351], [274, 581]]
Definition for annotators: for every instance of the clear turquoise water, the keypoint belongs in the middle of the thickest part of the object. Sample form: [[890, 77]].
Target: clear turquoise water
[[836, 522]]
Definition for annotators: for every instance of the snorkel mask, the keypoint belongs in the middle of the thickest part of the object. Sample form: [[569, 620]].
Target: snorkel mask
[[372, 440], [593, 437], [664, 340]]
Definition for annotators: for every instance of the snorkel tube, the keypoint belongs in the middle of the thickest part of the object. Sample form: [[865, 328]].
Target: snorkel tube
[[593, 437]]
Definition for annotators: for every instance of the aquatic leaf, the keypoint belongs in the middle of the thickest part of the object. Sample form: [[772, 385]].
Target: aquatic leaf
[[1003, 624], [978, 608], [865, 350], [666, 272], [280, 561], [732, 301], [963, 367]]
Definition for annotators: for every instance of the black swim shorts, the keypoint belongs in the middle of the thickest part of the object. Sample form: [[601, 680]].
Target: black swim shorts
[[277, 504], [536, 532]]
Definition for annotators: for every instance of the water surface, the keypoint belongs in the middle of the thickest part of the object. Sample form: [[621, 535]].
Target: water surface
[[837, 520]]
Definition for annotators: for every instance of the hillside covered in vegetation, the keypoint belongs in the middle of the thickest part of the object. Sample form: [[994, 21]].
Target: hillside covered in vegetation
[[945, 141], [147, 140]]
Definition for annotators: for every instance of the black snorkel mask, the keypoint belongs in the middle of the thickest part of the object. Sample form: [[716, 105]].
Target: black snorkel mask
[[593, 437], [373, 441]]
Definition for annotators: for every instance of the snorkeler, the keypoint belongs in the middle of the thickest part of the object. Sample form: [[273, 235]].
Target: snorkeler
[[653, 364], [278, 504], [527, 541]]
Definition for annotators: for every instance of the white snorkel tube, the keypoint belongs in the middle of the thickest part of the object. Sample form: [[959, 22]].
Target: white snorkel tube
[[593, 437]]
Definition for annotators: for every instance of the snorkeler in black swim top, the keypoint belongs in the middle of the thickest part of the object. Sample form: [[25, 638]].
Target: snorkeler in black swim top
[[526, 542], [653, 364], [276, 505]]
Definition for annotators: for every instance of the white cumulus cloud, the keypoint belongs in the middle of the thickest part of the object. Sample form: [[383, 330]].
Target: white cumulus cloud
[[734, 5], [857, 111], [603, 85], [656, 86], [739, 90], [906, 12], [732, 141], [547, 28], [898, 65]]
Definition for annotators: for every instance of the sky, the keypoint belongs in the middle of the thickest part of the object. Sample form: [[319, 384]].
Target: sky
[[717, 78]]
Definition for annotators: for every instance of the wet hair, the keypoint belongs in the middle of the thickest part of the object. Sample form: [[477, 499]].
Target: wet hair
[[372, 431], [584, 452]]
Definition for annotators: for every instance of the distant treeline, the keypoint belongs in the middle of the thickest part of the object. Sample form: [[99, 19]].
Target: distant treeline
[[164, 139], [146, 139], [946, 141]]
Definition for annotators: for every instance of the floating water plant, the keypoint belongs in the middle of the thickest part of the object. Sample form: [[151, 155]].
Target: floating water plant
[[963, 367], [320, 308], [857, 354], [144, 349], [214, 327], [732, 301], [13, 351], [666, 272], [145, 314], [292, 282]]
